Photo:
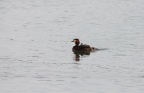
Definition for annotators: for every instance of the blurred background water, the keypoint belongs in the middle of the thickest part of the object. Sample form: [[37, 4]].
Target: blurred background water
[[36, 49]]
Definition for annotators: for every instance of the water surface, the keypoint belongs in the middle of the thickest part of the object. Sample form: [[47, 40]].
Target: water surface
[[36, 49]]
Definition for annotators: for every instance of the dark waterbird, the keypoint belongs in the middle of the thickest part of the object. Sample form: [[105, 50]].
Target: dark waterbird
[[82, 49]]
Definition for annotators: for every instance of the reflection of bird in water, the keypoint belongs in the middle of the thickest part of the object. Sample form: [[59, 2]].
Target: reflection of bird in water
[[79, 54], [81, 49]]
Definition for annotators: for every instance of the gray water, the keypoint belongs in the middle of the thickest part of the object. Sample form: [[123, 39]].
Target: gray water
[[36, 49]]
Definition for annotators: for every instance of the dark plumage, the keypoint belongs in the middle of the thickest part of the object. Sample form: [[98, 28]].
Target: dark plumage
[[82, 47]]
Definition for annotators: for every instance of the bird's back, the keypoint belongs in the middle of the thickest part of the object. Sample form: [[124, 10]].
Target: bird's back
[[82, 47]]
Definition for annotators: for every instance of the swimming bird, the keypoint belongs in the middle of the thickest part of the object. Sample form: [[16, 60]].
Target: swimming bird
[[82, 47]]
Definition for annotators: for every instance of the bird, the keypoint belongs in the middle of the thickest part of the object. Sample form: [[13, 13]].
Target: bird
[[82, 47]]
